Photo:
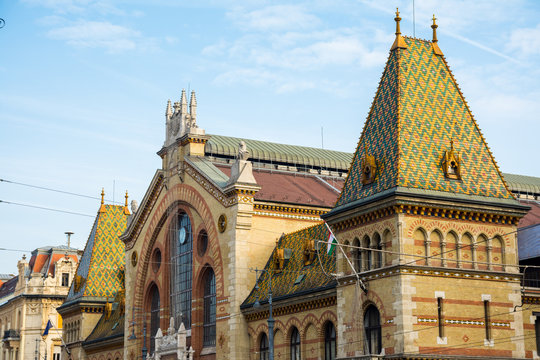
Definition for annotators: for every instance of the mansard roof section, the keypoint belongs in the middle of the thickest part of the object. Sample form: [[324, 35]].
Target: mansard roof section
[[263, 151], [294, 277], [417, 117]]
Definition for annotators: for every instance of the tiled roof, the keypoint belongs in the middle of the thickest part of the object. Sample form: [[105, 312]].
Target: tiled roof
[[292, 187], [308, 279], [279, 153], [101, 268], [8, 287], [417, 111], [108, 327], [532, 217]]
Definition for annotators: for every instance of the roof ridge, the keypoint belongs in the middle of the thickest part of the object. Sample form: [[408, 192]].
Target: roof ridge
[[398, 117], [368, 117], [476, 126]]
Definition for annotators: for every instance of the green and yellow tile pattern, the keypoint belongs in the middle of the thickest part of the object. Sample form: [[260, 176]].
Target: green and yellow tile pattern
[[307, 278], [417, 111]]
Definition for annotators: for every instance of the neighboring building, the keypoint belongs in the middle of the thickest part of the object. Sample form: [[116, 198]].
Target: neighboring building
[[427, 223], [29, 300], [97, 291]]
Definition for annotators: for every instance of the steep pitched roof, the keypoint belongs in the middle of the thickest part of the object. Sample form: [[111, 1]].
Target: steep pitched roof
[[296, 278], [101, 268], [417, 111]]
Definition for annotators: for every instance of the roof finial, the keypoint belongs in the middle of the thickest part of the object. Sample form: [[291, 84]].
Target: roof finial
[[399, 42], [434, 44], [126, 210], [434, 27], [397, 19], [102, 207]]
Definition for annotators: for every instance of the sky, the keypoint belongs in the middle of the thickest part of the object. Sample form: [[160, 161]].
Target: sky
[[84, 85]]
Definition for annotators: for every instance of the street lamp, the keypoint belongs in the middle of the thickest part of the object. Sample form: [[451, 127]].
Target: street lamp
[[270, 317]]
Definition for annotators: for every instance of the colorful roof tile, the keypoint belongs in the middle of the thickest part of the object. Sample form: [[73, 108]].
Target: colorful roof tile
[[296, 278], [101, 268], [417, 112]]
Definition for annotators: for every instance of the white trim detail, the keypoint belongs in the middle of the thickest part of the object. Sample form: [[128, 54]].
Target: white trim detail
[[439, 294]]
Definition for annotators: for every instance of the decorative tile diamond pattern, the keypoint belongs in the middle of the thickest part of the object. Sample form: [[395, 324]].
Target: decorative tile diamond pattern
[[102, 263], [417, 111], [106, 273], [283, 283]]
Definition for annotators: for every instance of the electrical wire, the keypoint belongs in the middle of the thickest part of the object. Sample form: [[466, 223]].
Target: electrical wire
[[45, 208], [56, 190]]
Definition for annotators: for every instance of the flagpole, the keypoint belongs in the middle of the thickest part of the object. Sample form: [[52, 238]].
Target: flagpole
[[362, 285]]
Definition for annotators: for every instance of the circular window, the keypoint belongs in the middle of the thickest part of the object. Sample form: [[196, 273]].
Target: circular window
[[222, 223], [156, 260], [202, 242]]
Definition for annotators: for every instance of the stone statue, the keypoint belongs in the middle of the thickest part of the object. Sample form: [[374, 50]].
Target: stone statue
[[243, 152], [134, 206]]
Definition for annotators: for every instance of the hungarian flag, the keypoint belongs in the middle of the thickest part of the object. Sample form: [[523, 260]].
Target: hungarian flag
[[331, 242], [47, 328]]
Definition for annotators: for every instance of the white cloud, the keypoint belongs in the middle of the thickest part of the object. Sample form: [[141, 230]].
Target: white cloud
[[274, 18], [526, 41], [94, 34]]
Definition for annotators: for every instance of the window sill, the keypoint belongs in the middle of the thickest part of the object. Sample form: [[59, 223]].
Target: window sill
[[208, 350]]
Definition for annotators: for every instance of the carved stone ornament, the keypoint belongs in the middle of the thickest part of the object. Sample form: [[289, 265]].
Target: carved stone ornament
[[369, 168], [243, 153], [451, 163]]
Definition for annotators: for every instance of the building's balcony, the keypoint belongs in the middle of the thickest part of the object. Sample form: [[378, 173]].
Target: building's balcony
[[11, 338]]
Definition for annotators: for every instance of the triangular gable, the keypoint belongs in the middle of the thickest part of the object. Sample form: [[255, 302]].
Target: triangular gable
[[417, 112]]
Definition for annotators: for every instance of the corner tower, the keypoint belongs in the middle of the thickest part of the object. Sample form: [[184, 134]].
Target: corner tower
[[428, 223]]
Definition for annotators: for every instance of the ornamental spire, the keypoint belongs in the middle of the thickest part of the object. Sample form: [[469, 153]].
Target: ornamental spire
[[399, 42], [434, 41], [102, 207], [126, 210]]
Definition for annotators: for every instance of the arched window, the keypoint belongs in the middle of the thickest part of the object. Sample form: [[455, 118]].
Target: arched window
[[357, 255], [378, 255], [154, 316], [181, 263], [295, 344], [372, 329], [263, 347], [367, 253], [329, 341], [209, 324]]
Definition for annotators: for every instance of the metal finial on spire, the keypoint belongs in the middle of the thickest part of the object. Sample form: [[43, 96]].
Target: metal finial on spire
[[434, 27], [434, 44], [126, 209], [102, 207], [397, 19], [399, 42]]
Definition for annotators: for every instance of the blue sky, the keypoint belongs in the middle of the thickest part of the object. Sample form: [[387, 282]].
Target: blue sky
[[84, 86]]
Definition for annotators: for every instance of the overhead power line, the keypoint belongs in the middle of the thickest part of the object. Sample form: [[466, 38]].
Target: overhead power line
[[45, 208], [56, 190]]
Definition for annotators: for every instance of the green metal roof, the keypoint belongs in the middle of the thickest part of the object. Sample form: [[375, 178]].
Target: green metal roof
[[274, 152], [523, 184], [313, 157]]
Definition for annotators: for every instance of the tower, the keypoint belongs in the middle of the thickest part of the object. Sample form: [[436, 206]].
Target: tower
[[428, 221]]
